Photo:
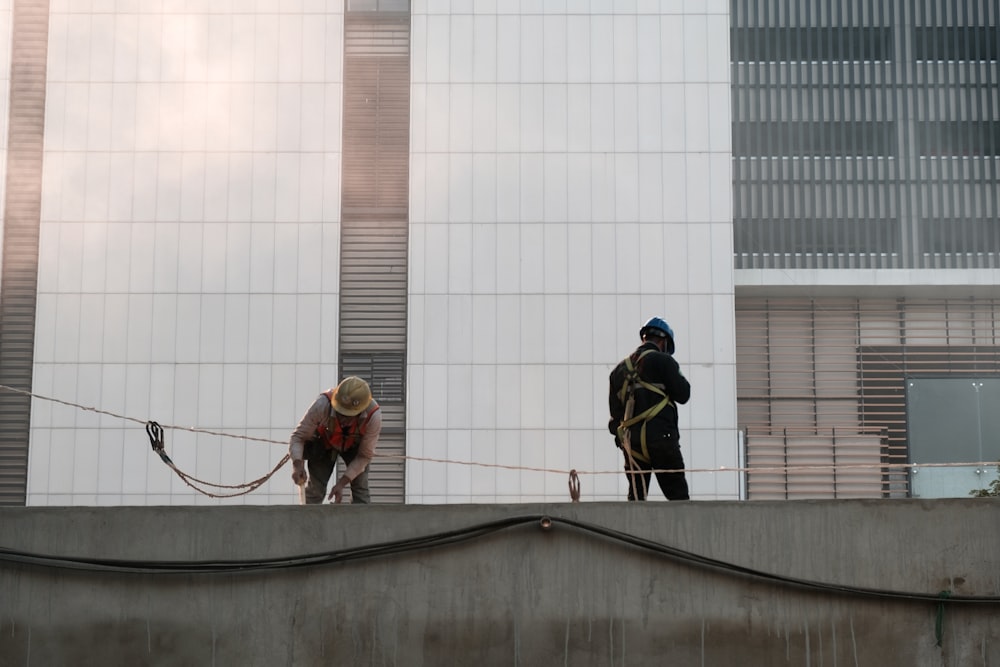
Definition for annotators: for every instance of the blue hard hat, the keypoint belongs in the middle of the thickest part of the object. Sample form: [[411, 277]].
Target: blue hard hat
[[657, 326]]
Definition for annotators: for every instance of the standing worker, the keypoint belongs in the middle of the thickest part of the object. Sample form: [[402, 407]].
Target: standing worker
[[645, 390], [344, 422]]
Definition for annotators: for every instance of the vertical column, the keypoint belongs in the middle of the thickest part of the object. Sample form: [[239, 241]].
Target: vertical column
[[375, 222], [22, 212]]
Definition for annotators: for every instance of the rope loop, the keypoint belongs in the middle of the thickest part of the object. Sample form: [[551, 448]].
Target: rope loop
[[574, 486], [155, 433]]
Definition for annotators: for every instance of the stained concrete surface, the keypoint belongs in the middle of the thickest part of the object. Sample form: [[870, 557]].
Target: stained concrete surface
[[520, 595]]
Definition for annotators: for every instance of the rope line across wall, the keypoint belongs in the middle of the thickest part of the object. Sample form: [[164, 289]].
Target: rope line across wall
[[155, 432]]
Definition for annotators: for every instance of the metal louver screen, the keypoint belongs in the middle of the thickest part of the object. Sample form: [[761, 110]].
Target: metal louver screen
[[376, 116], [22, 210], [865, 134], [831, 464], [823, 380], [375, 228], [373, 286], [384, 372]]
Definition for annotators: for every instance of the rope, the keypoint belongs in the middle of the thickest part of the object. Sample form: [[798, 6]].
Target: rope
[[624, 435], [407, 457], [720, 469], [135, 420], [625, 438], [155, 433], [574, 486], [939, 620]]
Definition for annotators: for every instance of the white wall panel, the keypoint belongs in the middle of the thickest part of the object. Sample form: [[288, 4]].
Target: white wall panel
[[536, 160], [508, 42], [152, 89], [601, 51]]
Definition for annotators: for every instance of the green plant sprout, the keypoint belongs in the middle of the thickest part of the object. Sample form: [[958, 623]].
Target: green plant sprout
[[992, 491]]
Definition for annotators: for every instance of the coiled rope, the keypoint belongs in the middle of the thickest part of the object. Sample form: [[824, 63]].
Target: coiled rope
[[155, 433]]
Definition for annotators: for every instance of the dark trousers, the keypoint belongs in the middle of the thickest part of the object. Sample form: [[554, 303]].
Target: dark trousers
[[321, 463], [664, 454]]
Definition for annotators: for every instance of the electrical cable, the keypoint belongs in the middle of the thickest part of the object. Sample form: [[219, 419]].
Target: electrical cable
[[730, 568], [279, 563], [436, 540]]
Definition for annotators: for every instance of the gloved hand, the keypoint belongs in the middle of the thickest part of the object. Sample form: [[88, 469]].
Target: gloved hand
[[299, 475], [336, 493]]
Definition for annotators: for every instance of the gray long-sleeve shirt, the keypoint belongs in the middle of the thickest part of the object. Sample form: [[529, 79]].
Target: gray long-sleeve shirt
[[321, 412]]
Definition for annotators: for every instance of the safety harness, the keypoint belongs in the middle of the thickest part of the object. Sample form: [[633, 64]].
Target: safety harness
[[627, 395], [347, 436]]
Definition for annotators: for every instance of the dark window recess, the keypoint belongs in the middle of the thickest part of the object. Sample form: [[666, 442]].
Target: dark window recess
[[817, 236], [960, 235], [814, 139], [956, 43], [383, 372], [955, 137], [810, 44], [378, 6], [884, 370], [952, 419]]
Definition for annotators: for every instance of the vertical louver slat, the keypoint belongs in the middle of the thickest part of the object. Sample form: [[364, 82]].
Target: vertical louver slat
[[812, 369], [22, 211], [824, 464], [375, 229]]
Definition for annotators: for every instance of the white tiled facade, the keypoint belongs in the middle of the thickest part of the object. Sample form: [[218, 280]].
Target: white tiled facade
[[189, 243], [569, 178]]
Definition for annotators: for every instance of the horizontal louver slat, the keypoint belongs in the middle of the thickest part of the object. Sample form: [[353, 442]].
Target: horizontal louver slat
[[841, 364], [375, 228], [26, 108]]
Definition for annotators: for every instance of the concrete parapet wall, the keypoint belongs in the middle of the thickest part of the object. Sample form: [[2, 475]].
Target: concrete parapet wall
[[516, 595]]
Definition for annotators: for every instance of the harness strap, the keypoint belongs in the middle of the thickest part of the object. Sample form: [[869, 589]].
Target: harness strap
[[624, 428], [347, 437]]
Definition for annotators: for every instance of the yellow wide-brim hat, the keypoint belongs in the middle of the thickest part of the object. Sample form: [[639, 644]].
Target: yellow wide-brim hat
[[351, 397]]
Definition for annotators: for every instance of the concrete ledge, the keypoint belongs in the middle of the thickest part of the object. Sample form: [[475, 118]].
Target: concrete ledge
[[884, 283], [519, 595]]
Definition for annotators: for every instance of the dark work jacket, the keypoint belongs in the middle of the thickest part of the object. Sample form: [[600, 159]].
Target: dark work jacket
[[655, 368]]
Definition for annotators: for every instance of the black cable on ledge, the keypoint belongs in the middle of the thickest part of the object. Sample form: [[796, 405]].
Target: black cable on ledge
[[436, 540]]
